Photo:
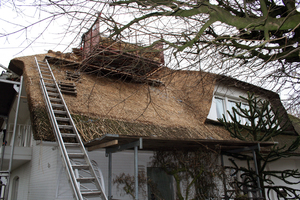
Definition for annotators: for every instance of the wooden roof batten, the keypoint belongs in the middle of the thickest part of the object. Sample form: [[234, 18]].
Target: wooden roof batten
[[90, 68]]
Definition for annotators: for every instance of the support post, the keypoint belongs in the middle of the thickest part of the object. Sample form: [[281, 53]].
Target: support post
[[136, 173], [3, 143], [224, 178], [13, 138], [109, 176], [110, 150], [257, 174]]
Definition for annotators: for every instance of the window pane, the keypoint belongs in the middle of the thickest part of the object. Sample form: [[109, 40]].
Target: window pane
[[245, 106], [220, 107], [160, 184], [232, 104]]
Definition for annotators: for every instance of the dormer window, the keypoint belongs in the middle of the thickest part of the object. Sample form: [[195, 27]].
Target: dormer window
[[220, 106]]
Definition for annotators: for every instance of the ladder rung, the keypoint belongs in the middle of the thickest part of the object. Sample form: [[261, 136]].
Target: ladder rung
[[53, 94], [47, 79], [76, 155], [65, 126], [72, 144], [51, 89], [4, 173], [58, 105], [62, 119], [55, 99], [50, 84], [80, 166], [69, 135], [45, 71], [47, 75], [60, 112], [91, 193], [85, 179]]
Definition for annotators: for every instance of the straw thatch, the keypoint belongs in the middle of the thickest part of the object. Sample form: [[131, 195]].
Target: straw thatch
[[177, 109]]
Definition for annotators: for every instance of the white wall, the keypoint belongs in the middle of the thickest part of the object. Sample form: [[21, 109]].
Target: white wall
[[63, 190], [122, 162], [285, 164], [44, 166], [45, 178], [23, 172], [292, 163], [37, 178]]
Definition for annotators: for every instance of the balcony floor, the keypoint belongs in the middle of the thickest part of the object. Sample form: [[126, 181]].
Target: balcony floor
[[21, 156]]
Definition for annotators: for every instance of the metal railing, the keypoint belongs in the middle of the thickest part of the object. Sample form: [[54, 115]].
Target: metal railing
[[23, 135], [3, 181]]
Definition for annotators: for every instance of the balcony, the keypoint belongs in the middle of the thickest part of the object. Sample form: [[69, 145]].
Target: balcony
[[23, 146]]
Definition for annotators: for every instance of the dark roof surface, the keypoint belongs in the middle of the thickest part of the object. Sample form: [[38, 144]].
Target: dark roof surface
[[7, 96], [6, 99]]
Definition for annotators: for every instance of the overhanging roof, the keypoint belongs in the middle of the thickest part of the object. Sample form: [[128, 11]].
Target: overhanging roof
[[272, 97], [6, 98], [153, 144], [7, 95]]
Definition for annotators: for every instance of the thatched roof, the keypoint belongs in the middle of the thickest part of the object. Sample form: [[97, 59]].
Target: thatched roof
[[174, 110], [287, 140], [177, 109]]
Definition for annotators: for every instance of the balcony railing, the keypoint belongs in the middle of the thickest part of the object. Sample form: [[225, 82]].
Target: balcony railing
[[23, 135]]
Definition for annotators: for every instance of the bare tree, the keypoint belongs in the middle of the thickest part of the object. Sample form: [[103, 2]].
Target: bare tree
[[252, 40]]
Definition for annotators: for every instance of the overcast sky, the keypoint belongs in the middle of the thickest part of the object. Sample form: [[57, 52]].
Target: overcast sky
[[18, 39]]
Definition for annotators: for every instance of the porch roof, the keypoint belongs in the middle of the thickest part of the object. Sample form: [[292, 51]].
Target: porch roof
[[153, 144]]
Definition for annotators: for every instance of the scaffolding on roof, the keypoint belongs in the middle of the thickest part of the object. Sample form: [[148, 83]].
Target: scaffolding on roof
[[130, 53]]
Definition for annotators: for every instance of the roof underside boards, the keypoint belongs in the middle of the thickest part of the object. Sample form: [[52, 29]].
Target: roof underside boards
[[154, 144], [6, 98]]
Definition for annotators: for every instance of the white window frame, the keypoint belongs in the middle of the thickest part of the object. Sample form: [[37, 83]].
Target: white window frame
[[213, 115]]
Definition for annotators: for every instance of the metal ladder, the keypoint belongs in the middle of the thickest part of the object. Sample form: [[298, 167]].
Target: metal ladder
[[82, 176]]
